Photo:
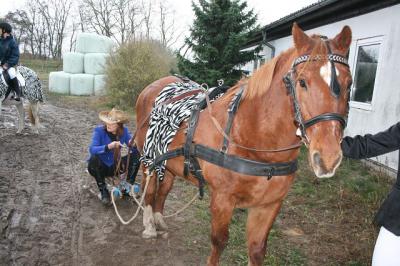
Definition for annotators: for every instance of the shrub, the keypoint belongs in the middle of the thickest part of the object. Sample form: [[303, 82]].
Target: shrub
[[132, 67]]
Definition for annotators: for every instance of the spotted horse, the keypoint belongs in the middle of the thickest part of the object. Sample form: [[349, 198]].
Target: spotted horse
[[31, 91]]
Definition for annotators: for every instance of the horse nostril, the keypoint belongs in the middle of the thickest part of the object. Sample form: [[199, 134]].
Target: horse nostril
[[317, 158]]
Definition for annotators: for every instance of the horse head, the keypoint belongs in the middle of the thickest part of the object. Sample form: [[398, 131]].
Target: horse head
[[319, 81]]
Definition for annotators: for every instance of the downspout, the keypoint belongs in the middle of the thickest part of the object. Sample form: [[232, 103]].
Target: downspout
[[264, 42]]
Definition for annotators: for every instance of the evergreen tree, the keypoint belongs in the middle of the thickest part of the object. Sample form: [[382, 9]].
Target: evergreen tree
[[220, 30]]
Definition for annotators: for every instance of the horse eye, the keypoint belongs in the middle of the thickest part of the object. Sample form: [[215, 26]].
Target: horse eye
[[303, 83]]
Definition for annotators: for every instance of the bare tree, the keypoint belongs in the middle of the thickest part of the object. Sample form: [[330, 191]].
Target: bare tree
[[36, 30], [99, 15], [55, 14], [147, 18], [72, 39], [41, 27], [168, 34], [135, 21], [81, 12]]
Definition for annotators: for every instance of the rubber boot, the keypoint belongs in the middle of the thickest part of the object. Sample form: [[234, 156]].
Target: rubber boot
[[15, 86], [104, 194]]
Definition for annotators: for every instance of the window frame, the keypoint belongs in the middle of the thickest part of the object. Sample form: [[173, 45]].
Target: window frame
[[365, 42]]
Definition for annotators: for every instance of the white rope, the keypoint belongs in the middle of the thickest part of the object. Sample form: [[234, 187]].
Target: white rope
[[140, 204], [137, 210], [183, 208], [175, 213]]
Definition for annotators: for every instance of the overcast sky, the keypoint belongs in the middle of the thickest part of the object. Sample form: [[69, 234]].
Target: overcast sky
[[267, 10]]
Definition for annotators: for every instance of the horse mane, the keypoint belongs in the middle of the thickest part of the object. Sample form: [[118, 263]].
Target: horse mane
[[261, 80]]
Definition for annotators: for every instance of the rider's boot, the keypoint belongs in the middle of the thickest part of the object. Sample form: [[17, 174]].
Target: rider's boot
[[104, 194], [15, 86]]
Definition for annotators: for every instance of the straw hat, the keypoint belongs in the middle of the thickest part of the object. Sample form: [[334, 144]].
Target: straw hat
[[113, 116]]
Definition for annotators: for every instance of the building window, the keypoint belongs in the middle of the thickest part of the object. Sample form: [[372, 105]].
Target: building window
[[366, 66]]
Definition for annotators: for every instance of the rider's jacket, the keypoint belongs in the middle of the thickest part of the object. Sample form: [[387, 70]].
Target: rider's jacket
[[360, 147], [9, 51]]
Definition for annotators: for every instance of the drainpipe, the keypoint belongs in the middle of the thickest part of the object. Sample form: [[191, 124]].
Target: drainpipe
[[264, 41]]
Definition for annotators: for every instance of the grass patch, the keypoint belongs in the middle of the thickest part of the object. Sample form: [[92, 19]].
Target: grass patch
[[332, 214], [42, 67]]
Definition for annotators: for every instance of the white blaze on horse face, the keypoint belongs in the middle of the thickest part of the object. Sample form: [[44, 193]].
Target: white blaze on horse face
[[325, 72]]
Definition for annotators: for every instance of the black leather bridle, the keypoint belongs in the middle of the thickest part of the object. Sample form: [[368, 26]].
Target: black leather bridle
[[290, 82]]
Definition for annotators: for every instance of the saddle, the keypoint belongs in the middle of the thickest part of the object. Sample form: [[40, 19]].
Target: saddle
[[173, 105]]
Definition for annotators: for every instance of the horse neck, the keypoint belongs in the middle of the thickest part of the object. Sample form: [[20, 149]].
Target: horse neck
[[267, 121]]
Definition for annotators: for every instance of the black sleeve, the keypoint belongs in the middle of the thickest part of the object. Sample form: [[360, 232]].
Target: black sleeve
[[360, 147]]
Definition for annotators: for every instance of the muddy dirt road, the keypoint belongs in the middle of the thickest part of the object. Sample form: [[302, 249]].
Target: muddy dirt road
[[48, 218]]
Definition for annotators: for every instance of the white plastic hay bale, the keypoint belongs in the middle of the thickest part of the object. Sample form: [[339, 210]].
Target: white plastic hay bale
[[81, 84], [99, 84], [59, 82], [93, 43], [73, 63], [95, 63]]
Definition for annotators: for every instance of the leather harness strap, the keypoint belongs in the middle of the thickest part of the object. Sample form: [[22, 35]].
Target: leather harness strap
[[181, 96], [234, 105], [192, 151]]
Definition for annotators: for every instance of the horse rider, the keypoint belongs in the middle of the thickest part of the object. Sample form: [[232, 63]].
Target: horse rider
[[387, 246], [105, 151], [9, 57]]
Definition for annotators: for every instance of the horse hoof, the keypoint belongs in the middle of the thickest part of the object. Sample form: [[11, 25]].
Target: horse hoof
[[149, 234], [159, 221]]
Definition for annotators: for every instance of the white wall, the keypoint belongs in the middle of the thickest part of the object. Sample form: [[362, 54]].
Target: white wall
[[385, 107]]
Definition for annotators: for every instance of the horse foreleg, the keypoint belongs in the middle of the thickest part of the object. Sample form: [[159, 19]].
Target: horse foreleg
[[221, 213], [21, 117], [259, 223], [162, 193], [148, 218], [34, 116]]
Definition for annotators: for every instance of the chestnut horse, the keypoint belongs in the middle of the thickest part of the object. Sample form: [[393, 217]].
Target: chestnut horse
[[312, 103]]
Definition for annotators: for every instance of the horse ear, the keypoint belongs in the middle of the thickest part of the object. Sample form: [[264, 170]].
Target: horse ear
[[343, 39], [301, 40]]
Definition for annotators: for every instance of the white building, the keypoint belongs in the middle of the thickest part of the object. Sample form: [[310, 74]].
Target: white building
[[374, 57]]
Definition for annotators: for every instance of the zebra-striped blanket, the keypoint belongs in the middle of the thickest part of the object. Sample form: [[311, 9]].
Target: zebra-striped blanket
[[165, 120]]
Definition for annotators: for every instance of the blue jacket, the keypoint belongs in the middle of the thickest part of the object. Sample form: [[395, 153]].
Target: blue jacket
[[9, 51], [99, 141]]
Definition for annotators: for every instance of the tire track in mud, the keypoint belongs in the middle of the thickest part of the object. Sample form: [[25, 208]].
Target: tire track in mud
[[76, 241]]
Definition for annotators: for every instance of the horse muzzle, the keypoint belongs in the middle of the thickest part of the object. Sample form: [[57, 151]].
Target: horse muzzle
[[325, 166]]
